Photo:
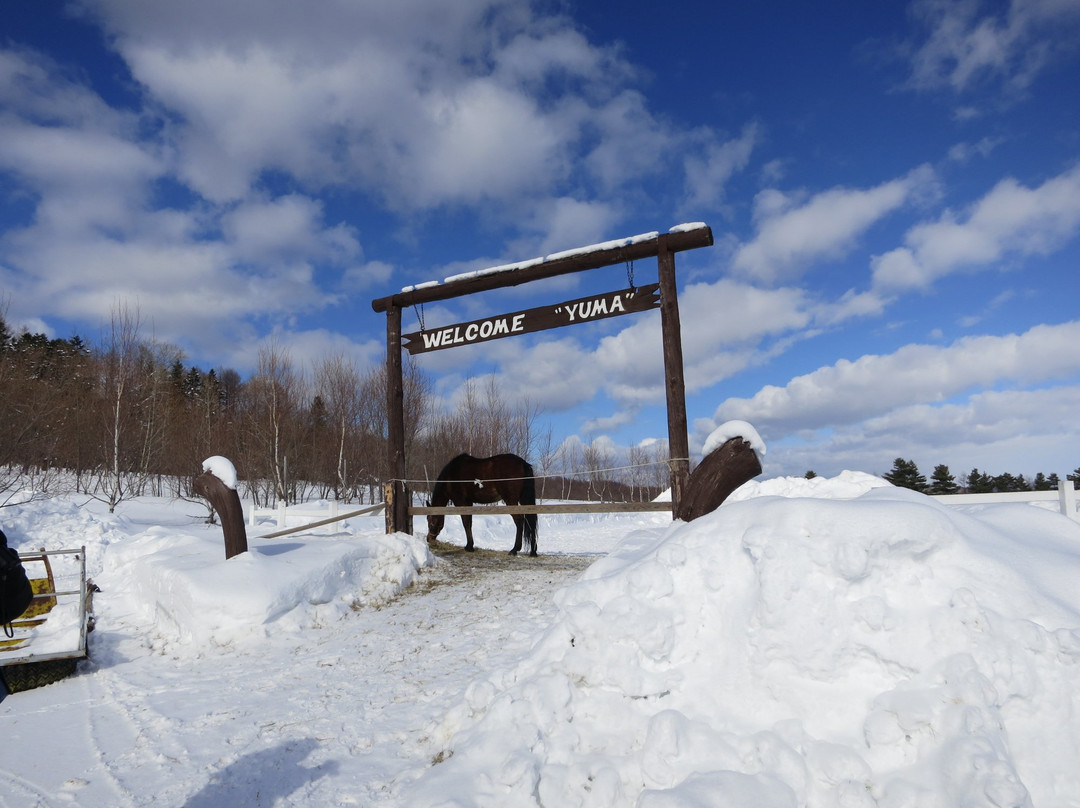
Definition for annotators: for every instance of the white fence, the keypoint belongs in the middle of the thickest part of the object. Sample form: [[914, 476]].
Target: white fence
[[1065, 496], [298, 514]]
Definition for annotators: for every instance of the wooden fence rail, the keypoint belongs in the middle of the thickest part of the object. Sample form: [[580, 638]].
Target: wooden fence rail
[[562, 507]]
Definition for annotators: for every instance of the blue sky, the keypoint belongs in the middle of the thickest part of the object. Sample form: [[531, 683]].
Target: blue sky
[[893, 188]]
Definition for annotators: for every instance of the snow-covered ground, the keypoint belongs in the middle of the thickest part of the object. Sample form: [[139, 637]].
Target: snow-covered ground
[[826, 642]]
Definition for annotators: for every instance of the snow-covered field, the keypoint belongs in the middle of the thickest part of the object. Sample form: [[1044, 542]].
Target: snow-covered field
[[812, 643]]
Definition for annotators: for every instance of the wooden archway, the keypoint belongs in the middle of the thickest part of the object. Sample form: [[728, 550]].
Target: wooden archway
[[662, 246]]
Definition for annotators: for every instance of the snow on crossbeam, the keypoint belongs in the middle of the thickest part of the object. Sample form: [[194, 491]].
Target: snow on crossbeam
[[645, 245]]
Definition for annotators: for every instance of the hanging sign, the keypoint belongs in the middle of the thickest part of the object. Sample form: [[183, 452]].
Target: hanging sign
[[582, 310]]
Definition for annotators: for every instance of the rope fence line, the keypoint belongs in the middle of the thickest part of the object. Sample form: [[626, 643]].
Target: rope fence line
[[549, 476], [591, 507]]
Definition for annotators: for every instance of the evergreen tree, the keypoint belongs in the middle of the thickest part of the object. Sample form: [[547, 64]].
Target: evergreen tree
[[1075, 477], [193, 384], [979, 483], [811, 474], [905, 474], [1008, 482], [176, 377], [942, 481], [1041, 483], [5, 334]]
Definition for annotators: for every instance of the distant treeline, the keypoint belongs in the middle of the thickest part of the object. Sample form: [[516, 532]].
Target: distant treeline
[[600, 489], [905, 473], [129, 417]]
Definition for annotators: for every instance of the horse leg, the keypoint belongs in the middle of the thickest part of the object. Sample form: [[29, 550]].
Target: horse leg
[[519, 523], [466, 521]]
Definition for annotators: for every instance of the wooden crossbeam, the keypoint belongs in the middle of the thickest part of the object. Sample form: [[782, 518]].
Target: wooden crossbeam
[[575, 262]]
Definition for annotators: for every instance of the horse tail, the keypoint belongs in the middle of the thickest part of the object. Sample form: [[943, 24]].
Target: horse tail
[[528, 497]]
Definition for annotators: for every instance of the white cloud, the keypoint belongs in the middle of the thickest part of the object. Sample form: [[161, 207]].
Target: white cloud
[[531, 56], [963, 152], [306, 349], [851, 391], [554, 374], [69, 149], [1015, 431], [369, 275], [707, 175], [286, 229], [793, 232], [726, 327], [45, 95], [625, 140], [565, 222], [604, 424], [851, 305], [966, 46], [420, 103], [1010, 219], [426, 103]]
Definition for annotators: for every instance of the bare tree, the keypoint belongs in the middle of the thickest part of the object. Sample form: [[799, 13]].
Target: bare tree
[[547, 456], [660, 470], [597, 456], [485, 423], [637, 458], [338, 382], [153, 412], [118, 368], [274, 399]]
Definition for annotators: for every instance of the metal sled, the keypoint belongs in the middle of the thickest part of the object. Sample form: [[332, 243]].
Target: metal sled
[[50, 636]]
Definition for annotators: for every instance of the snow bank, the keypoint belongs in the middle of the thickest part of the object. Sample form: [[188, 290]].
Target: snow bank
[[814, 642], [846, 485], [182, 584]]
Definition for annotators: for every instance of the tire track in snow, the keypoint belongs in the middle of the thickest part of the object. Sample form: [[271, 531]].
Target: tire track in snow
[[338, 713]]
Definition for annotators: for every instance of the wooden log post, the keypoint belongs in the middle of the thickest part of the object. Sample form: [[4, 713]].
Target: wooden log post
[[719, 473], [671, 328], [226, 502], [397, 499]]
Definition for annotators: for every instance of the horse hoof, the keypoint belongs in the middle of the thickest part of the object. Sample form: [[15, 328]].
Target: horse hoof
[[513, 552], [469, 549]]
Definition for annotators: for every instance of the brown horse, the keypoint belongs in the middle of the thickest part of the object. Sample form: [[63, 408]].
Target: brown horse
[[468, 480]]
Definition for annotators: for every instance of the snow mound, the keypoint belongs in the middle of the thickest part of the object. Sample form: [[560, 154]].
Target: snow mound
[[183, 586], [818, 643], [846, 485]]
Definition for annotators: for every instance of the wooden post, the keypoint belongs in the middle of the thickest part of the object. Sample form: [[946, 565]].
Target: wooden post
[[720, 472], [397, 502], [678, 436], [227, 504]]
